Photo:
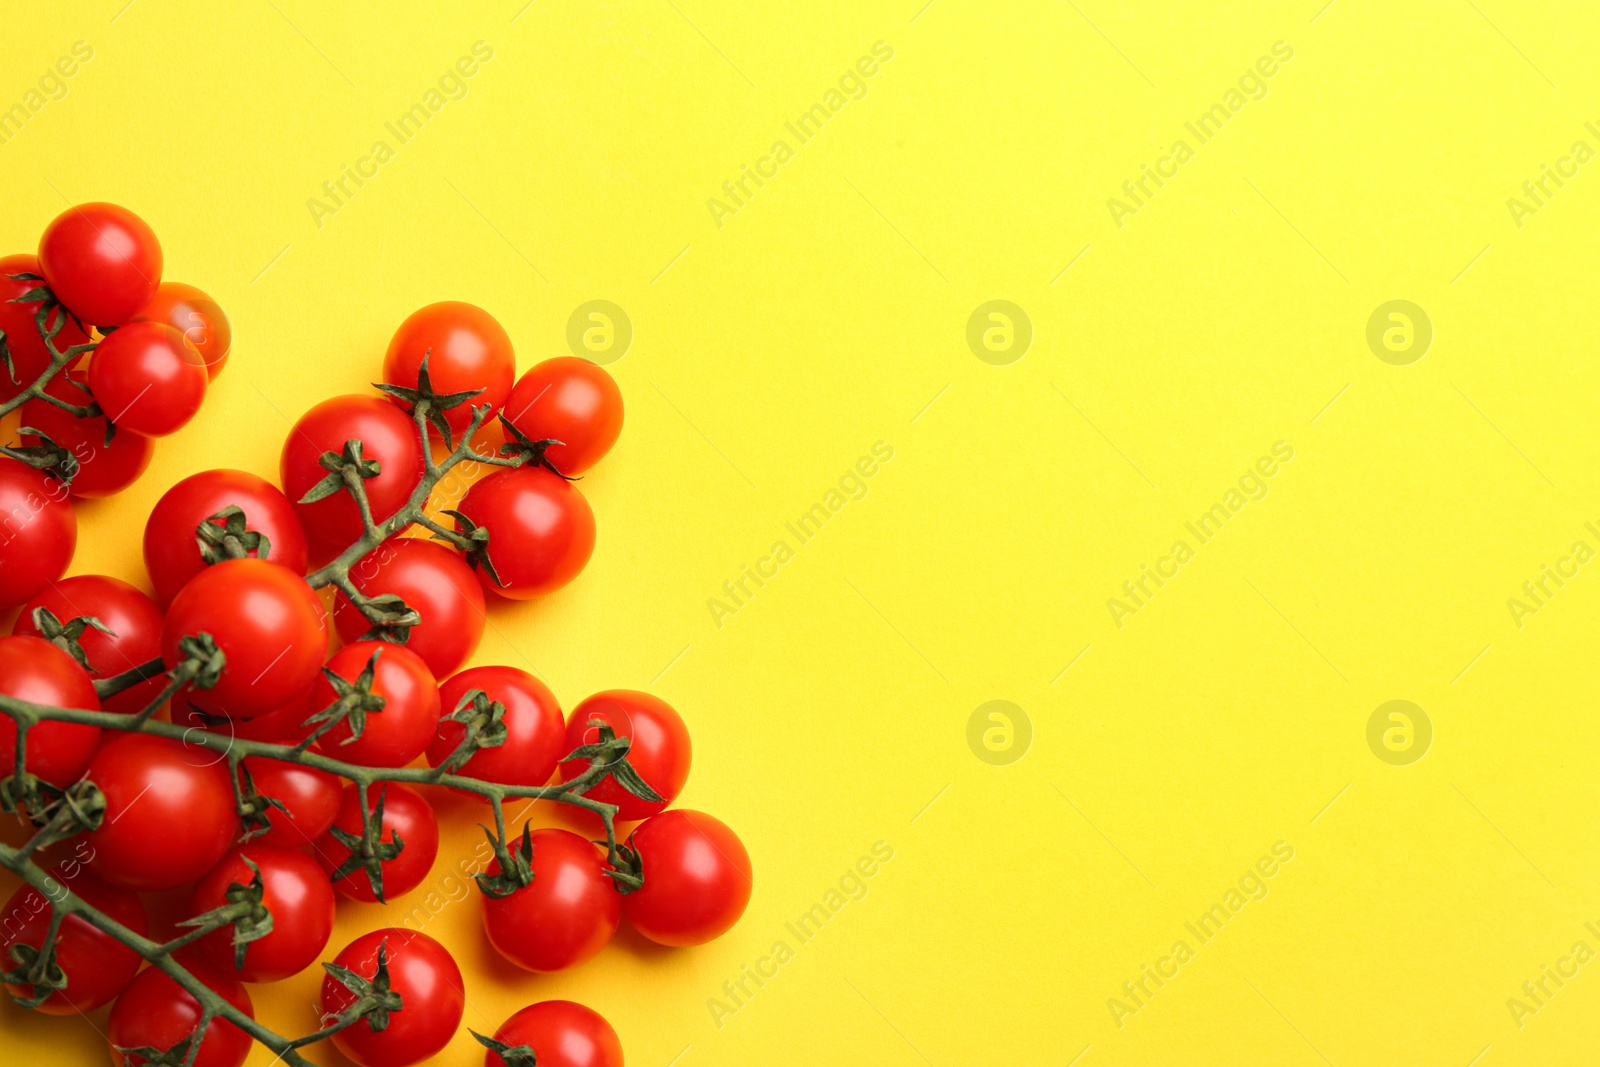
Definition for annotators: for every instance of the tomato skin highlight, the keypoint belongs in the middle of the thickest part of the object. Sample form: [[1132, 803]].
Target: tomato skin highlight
[[294, 889], [535, 736], [133, 618], [102, 261], [269, 625], [171, 555], [429, 983], [35, 670], [169, 812], [660, 749], [97, 966], [41, 531], [29, 357], [312, 798], [195, 315], [466, 349], [561, 1033], [696, 878], [565, 916], [541, 530], [148, 379], [400, 731], [570, 400], [405, 813], [103, 469], [156, 1011], [437, 582]]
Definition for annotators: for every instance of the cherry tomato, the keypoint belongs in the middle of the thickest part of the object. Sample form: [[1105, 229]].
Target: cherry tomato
[[535, 736], [401, 730], [561, 1034], [130, 615], [38, 531], [431, 992], [310, 800], [156, 1012], [294, 890], [103, 469], [97, 966], [696, 878], [572, 401], [171, 551], [169, 812], [434, 580], [285, 725], [565, 915], [406, 816], [541, 530], [148, 379], [269, 625], [387, 435], [34, 670], [466, 349], [102, 261], [29, 358], [660, 749], [195, 315]]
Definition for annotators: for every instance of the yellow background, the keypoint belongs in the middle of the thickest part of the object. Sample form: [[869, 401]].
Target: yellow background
[[824, 316]]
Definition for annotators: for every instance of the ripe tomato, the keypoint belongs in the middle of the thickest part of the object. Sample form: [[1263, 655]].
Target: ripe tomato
[[169, 812], [103, 469], [434, 580], [29, 357], [572, 401], [310, 796], [34, 670], [541, 531], [195, 315], [148, 379], [564, 916], [561, 1034], [466, 349], [431, 992], [660, 751], [387, 435], [535, 737], [130, 615], [38, 531], [269, 625], [171, 553], [295, 891], [156, 1012], [406, 817], [102, 261], [97, 966], [401, 730], [696, 878], [285, 725]]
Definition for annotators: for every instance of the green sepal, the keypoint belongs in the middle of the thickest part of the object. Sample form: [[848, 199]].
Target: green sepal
[[512, 1055], [45, 456], [438, 403], [335, 463], [353, 701], [230, 524], [516, 865], [614, 750], [485, 728], [146, 1056], [397, 618], [368, 850], [253, 925], [478, 554], [520, 444], [374, 999], [66, 635], [254, 807], [201, 649], [38, 969]]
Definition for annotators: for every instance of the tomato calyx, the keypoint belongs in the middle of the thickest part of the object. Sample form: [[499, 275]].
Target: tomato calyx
[[422, 397], [516, 865], [520, 444], [65, 635], [37, 968], [345, 471], [352, 703], [147, 1056], [476, 548], [227, 535], [391, 617], [60, 814], [368, 850], [244, 911], [513, 1055], [627, 870], [486, 728], [611, 752], [374, 999], [253, 807], [45, 456]]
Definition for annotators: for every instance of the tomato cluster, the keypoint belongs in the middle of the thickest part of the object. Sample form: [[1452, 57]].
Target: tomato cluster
[[236, 649]]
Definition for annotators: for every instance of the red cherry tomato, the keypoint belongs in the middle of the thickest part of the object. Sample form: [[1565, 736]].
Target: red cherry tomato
[[565, 915], [434, 580], [294, 890], [29, 358], [269, 625], [535, 737], [405, 816], [148, 379], [103, 469], [38, 531], [401, 730], [660, 749], [156, 1012], [310, 800], [466, 349], [97, 966], [102, 261], [130, 615], [561, 1034], [195, 315], [431, 992], [34, 670], [572, 401], [387, 435], [169, 812], [171, 553], [541, 530], [285, 725], [696, 878]]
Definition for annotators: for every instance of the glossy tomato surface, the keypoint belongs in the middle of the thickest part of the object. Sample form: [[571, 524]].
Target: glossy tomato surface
[[406, 817], [561, 1033], [541, 530], [148, 379], [296, 893], [388, 436], [104, 468], [659, 751], [29, 357], [432, 993], [195, 315], [400, 731], [572, 401], [535, 735], [156, 1012], [433, 579], [132, 617], [466, 349], [38, 531], [171, 552], [310, 800], [696, 878], [102, 261], [97, 965], [35, 670], [565, 916]]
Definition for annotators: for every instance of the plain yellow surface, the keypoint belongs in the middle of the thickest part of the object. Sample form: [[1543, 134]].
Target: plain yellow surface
[[780, 338]]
